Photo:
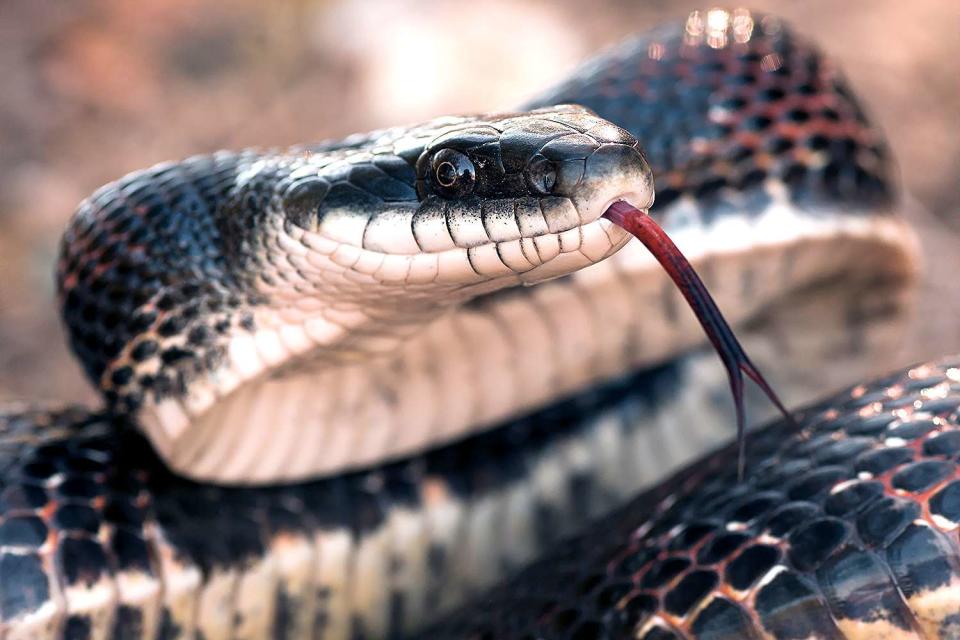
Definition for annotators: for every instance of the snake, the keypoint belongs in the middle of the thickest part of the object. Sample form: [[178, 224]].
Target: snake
[[413, 383]]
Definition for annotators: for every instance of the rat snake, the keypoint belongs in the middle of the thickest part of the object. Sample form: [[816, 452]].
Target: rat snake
[[329, 414]]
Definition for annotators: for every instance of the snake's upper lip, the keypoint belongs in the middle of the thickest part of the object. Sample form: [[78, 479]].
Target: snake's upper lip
[[635, 199]]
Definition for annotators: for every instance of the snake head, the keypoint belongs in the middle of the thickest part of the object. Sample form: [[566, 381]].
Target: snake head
[[523, 194], [469, 203], [197, 291], [366, 240]]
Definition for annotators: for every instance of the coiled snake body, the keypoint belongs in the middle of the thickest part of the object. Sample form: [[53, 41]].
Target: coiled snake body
[[281, 336]]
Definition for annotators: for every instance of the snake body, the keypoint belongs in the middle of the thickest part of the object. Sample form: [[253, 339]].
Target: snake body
[[353, 298], [845, 527]]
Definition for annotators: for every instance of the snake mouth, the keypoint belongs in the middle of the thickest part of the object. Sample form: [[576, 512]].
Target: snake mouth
[[565, 235], [596, 239]]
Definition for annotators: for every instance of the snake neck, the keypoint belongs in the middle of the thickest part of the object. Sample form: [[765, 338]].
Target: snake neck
[[198, 292]]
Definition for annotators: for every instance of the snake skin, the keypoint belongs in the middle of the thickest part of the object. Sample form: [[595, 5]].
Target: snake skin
[[724, 109], [183, 282], [842, 528], [158, 268], [94, 523]]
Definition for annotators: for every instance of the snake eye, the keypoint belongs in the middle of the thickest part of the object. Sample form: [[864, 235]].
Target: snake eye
[[541, 175], [453, 173]]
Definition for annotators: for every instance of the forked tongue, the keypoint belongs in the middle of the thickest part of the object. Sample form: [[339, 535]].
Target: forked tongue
[[734, 358]]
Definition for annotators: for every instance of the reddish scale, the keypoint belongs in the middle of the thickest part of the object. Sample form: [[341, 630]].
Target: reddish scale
[[684, 624], [924, 496], [690, 521], [762, 101]]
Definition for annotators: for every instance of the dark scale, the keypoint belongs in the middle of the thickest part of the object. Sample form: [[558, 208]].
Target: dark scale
[[843, 450], [812, 542], [870, 426], [790, 607], [885, 519], [775, 476], [630, 575], [129, 548], [696, 101], [855, 553], [128, 623], [23, 531], [690, 535], [82, 560], [722, 619], [853, 498], [689, 591], [946, 502], [750, 565], [77, 518], [922, 475], [24, 585], [813, 447], [882, 460], [942, 444], [663, 572], [77, 628], [721, 546], [939, 407], [912, 430], [816, 483]]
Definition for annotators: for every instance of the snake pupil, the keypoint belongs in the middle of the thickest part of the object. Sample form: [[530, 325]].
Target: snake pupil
[[453, 173], [446, 174]]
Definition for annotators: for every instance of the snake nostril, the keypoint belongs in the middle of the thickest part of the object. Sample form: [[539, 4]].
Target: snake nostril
[[541, 175]]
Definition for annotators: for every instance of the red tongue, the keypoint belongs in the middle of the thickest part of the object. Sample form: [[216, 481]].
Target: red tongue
[[681, 272]]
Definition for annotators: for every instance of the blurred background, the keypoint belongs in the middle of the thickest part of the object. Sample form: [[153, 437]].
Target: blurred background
[[92, 89]]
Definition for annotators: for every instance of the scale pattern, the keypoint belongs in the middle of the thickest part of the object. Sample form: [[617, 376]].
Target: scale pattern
[[99, 540], [185, 281], [146, 292], [730, 103], [845, 527]]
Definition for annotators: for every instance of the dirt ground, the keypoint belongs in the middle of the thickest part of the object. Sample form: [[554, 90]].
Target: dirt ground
[[95, 88]]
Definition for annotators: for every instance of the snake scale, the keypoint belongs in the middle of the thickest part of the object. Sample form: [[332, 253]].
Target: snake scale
[[329, 414]]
